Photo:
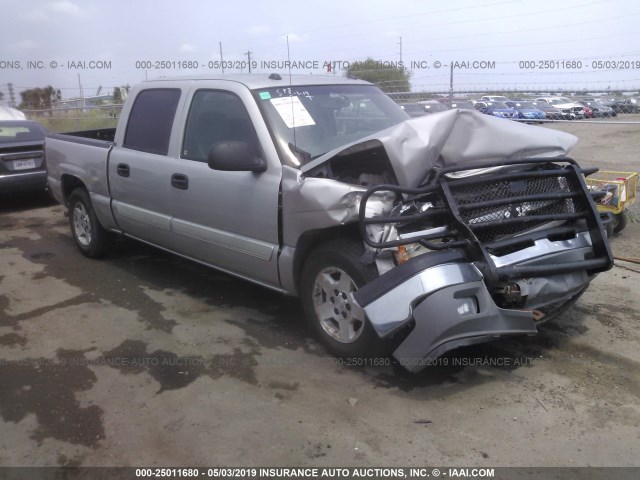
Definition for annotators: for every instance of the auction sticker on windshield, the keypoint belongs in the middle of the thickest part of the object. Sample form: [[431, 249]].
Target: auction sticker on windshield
[[292, 112]]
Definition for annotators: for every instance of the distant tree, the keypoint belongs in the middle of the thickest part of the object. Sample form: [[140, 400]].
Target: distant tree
[[50, 96], [1, 96], [31, 99], [40, 98], [388, 76]]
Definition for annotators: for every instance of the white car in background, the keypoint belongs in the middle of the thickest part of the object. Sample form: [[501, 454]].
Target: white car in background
[[8, 113], [566, 105], [494, 98]]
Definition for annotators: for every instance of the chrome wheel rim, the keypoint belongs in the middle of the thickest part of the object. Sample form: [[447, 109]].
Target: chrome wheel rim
[[81, 224], [338, 313]]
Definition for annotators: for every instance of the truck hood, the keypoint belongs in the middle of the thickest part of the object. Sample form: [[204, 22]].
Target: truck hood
[[453, 138]]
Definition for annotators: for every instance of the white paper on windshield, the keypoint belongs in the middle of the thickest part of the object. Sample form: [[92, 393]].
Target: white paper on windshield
[[292, 112]]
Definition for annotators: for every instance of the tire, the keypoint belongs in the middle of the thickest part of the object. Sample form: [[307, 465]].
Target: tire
[[620, 222], [609, 229], [330, 275], [92, 240]]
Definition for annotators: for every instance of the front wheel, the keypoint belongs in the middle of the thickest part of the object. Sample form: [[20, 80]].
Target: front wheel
[[92, 240], [330, 276]]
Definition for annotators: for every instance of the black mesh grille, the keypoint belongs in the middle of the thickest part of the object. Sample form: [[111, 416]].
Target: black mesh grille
[[483, 192], [470, 198]]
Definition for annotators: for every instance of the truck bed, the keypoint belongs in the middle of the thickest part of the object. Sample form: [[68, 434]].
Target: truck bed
[[101, 137], [82, 155]]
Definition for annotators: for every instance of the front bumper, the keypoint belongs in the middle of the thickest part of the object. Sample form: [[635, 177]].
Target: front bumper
[[445, 301], [530, 238]]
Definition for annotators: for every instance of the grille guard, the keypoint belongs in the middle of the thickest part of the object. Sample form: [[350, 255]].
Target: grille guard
[[570, 202]]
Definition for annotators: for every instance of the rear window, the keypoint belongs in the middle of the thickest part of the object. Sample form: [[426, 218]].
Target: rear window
[[151, 119], [11, 132]]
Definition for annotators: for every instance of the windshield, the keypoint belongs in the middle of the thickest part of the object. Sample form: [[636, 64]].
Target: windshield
[[21, 132], [466, 105], [526, 105], [413, 107], [435, 107], [309, 121], [500, 105]]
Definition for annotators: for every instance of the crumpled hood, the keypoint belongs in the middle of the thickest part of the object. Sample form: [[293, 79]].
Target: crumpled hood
[[455, 138]]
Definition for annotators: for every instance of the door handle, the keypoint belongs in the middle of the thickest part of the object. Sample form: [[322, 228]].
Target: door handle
[[180, 181], [123, 169]]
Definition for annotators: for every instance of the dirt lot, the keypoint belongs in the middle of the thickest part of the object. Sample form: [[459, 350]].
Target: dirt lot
[[146, 359]]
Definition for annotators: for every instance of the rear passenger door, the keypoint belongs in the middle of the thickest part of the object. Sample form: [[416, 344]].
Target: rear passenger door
[[225, 218], [140, 170]]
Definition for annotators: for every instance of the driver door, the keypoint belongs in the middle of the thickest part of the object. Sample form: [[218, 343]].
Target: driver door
[[228, 219]]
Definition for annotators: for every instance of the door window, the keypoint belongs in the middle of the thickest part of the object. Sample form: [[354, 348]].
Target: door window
[[216, 116], [151, 119]]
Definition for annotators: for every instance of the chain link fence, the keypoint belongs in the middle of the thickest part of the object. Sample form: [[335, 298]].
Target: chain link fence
[[69, 119]]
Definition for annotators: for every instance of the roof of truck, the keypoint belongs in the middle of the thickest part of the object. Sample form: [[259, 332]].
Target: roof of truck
[[267, 80]]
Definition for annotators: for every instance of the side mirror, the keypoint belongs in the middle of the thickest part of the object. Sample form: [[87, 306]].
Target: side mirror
[[235, 156]]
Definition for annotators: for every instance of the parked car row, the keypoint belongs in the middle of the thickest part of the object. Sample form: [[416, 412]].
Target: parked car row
[[532, 110], [497, 106], [422, 108], [627, 105]]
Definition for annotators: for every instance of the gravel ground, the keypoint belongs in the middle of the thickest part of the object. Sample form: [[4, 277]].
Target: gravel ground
[[145, 359]]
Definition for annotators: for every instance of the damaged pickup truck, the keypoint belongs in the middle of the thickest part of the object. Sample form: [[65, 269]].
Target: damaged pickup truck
[[403, 236]]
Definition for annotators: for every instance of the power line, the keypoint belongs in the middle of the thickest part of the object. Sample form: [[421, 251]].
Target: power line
[[458, 22]]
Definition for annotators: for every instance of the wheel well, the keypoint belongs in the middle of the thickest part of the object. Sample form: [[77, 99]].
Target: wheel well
[[69, 184], [313, 238]]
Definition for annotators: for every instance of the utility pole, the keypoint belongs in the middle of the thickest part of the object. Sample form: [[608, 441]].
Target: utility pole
[[248, 54], [12, 96], [81, 92], [400, 43], [221, 60], [451, 86]]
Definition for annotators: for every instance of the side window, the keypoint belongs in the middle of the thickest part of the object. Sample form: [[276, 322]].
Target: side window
[[151, 119], [216, 116]]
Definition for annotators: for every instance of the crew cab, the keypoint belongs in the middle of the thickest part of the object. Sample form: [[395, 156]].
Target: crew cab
[[404, 236]]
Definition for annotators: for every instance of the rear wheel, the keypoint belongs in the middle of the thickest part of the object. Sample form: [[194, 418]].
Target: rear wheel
[[92, 240], [620, 222], [330, 276]]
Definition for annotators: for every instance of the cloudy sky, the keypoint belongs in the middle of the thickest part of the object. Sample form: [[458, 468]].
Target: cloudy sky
[[574, 44]]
